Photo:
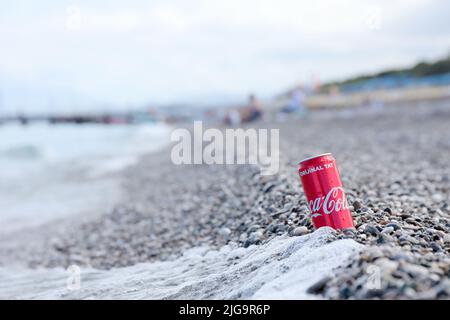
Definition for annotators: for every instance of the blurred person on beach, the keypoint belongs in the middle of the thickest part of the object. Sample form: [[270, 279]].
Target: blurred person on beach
[[296, 101], [295, 104], [253, 110], [232, 117]]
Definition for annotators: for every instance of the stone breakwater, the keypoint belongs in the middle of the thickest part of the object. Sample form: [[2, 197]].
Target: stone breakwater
[[395, 169]]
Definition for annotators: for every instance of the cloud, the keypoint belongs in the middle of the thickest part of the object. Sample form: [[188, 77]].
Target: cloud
[[174, 50]]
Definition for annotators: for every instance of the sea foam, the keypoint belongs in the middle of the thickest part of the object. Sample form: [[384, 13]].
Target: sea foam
[[283, 268]]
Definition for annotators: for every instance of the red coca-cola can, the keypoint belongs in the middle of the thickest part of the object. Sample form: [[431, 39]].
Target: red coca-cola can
[[323, 189]]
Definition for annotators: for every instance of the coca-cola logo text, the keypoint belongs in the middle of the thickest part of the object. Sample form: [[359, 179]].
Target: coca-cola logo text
[[334, 201]]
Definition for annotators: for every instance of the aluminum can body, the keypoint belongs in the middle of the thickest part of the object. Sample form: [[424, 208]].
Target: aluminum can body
[[324, 192]]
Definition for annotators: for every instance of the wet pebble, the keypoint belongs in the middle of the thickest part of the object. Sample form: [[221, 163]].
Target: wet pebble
[[299, 231]]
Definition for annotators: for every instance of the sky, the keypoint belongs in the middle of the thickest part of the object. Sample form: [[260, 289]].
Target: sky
[[64, 56]]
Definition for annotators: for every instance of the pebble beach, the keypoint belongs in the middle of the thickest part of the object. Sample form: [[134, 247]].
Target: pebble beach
[[394, 165]]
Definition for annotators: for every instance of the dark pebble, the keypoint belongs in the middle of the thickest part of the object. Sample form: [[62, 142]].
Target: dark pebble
[[393, 225], [357, 205], [435, 247], [319, 286], [349, 233], [268, 188], [280, 227], [382, 239], [276, 214], [371, 230]]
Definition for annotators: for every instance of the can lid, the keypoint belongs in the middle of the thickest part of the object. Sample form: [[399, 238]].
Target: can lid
[[320, 155]]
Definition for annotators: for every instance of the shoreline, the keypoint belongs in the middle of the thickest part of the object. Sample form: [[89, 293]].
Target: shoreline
[[396, 179], [284, 267]]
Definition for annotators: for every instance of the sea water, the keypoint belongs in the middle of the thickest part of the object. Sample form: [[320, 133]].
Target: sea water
[[51, 171]]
